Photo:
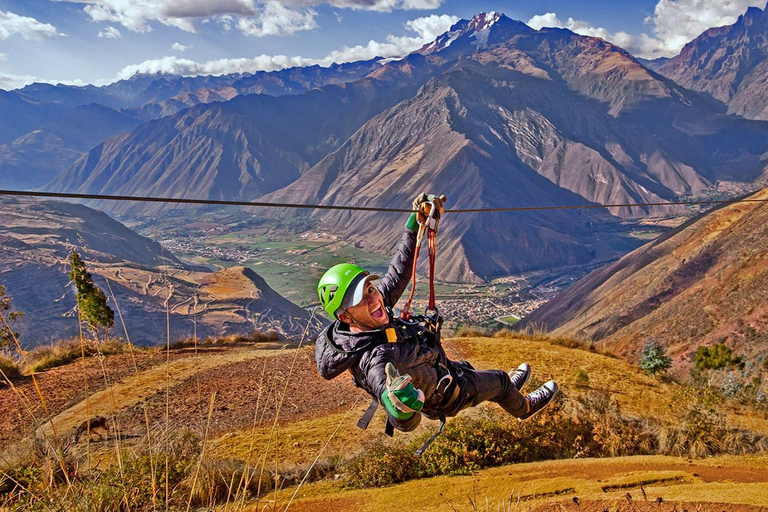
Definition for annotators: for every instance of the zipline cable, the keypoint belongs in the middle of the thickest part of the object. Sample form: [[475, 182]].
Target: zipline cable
[[174, 200]]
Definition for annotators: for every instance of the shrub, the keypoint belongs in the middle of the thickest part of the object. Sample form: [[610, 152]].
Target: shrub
[[716, 357], [67, 351], [8, 337], [256, 336], [588, 426], [50, 356]]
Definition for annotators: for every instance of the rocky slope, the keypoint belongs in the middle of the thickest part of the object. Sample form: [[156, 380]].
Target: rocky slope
[[705, 282], [36, 238], [729, 63], [37, 157]]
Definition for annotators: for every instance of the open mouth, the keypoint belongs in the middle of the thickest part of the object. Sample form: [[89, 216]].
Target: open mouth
[[377, 313]]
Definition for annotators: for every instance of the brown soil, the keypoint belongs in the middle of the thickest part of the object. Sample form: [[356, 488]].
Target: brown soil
[[244, 390], [65, 386]]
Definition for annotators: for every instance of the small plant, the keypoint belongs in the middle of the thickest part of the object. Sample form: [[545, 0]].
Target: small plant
[[471, 332], [581, 376], [654, 359], [91, 301]]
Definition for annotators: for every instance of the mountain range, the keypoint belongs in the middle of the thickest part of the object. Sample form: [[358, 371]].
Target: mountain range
[[492, 113]]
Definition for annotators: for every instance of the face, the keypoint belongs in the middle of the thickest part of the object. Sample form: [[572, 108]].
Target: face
[[369, 314]]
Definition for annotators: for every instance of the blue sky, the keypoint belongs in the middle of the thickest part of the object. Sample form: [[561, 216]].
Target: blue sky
[[99, 41]]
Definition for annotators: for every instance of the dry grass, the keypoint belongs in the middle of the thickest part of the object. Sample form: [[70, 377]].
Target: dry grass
[[9, 367], [65, 352], [256, 336]]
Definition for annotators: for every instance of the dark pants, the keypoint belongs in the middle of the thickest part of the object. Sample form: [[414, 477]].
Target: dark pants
[[476, 386]]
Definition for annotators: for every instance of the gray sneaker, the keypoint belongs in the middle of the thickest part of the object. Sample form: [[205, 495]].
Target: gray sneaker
[[520, 376], [539, 399]]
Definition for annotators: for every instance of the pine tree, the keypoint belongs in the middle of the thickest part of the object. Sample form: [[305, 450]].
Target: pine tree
[[654, 359], [91, 301], [7, 335]]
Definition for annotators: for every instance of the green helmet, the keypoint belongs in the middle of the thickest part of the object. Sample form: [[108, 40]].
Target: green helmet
[[335, 284]]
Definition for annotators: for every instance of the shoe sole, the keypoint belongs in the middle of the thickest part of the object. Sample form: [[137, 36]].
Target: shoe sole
[[523, 420]]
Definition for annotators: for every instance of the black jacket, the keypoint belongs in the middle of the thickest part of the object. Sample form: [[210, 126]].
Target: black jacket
[[365, 354]]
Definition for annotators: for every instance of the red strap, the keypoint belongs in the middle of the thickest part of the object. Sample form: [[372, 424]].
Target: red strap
[[431, 231], [432, 248], [406, 313]]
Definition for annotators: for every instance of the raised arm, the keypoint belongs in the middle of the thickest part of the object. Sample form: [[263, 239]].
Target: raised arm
[[393, 284]]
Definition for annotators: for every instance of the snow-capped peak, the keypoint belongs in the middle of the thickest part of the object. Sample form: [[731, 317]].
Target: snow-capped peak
[[482, 30], [484, 21]]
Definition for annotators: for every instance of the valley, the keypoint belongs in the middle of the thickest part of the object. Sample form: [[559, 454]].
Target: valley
[[292, 263]]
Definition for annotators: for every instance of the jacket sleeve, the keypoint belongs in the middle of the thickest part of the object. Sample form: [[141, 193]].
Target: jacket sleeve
[[396, 280], [377, 379]]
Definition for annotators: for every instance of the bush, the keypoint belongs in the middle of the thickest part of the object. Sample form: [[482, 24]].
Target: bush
[[9, 367], [257, 336], [716, 357], [588, 426], [64, 352], [471, 332]]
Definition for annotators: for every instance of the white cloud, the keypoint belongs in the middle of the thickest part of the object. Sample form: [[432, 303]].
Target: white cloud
[[673, 24], [676, 22], [427, 28], [110, 33], [180, 47], [3, 56], [276, 19], [254, 17], [382, 5], [28, 28], [584, 28]]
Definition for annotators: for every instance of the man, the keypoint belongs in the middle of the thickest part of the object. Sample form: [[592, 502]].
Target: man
[[402, 364]]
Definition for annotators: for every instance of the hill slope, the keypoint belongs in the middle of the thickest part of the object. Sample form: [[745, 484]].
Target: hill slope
[[703, 283]]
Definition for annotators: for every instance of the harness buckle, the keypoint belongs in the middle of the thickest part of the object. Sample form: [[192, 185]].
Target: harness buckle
[[434, 321]]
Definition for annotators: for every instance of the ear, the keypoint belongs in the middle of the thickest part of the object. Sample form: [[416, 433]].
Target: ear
[[345, 317]]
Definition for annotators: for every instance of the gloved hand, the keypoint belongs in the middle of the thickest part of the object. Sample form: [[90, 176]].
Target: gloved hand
[[401, 399], [423, 210]]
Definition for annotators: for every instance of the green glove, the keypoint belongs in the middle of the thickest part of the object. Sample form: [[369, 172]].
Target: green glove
[[401, 399]]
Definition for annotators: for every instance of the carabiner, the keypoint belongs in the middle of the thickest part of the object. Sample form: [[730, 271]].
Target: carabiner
[[431, 221]]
